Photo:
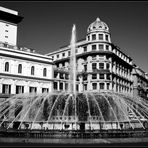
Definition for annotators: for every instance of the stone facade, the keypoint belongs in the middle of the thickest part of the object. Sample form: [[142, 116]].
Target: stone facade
[[101, 65], [21, 69], [23, 72], [140, 82]]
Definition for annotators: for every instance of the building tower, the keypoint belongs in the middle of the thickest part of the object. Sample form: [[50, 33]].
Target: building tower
[[100, 64], [97, 65], [98, 31], [9, 20]]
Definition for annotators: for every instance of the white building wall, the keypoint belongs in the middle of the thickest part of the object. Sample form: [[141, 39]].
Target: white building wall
[[25, 78], [8, 33]]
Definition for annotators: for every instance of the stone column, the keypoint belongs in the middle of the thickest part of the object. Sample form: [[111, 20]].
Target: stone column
[[64, 86], [13, 88], [26, 87], [105, 65], [51, 87], [58, 84], [98, 86], [89, 86], [0, 87], [81, 85], [115, 83], [105, 86], [39, 90]]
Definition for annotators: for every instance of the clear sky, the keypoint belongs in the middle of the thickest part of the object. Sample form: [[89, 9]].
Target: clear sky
[[47, 24]]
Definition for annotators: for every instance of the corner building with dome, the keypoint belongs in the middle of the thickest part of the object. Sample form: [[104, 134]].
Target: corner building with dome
[[101, 65]]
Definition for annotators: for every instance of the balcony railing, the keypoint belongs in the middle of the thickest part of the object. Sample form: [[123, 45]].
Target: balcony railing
[[62, 69], [101, 70]]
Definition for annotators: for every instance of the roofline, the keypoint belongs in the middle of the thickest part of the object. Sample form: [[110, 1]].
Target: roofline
[[66, 47]]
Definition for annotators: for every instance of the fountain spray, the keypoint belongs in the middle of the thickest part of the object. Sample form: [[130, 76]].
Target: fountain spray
[[72, 87], [72, 80]]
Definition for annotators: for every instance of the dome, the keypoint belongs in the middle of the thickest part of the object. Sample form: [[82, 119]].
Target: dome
[[97, 25]]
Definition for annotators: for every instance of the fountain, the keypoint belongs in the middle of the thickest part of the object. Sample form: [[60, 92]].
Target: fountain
[[73, 111]]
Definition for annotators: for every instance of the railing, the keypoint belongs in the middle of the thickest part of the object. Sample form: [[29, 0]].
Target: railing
[[6, 45], [61, 69]]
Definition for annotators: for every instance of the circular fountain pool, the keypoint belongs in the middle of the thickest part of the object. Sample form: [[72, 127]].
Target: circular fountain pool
[[66, 111]]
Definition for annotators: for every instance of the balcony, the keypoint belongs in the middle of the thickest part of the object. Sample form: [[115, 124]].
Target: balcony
[[61, 70], [103, 71], [100, 71]]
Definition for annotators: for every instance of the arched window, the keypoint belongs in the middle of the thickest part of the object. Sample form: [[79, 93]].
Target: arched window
[[32, 70], [44, 72], [20, 68], [7, 66]]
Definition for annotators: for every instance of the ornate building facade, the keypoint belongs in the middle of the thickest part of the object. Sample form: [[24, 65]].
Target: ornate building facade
[[140, 82], [101, 65], [21, 69]]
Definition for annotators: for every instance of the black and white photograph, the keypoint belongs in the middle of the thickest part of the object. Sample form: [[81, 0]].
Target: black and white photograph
[[73, 73]]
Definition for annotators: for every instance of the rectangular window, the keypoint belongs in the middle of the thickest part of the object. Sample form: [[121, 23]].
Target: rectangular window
[[6, 36], [84, 77], [55, 85], [94, 37], [101, 85], [32, 89], [101, 76], [101, 65], [66, 76], [19, 89], [68, 53], [94, 85], [107, 47], [108, 76], [85, 48], [93, 47], [61, 86], [94, 76], [101, 46], [77, 87], [57, 55], [100, 36], [6, 30], [66, 86], [61, 76], [45, 90], [94, 66], [106, 37], [77, 79], [85, 86], [63, 54], [55, 74], [85, 67], [107, 66], [6, 89], [108, 84]]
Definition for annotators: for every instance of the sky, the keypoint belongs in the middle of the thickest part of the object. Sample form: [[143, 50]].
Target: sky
[[47, 25]]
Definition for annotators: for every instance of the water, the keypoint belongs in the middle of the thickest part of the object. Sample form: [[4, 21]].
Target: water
[[72, 110], [54, 111], [73, 62]]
